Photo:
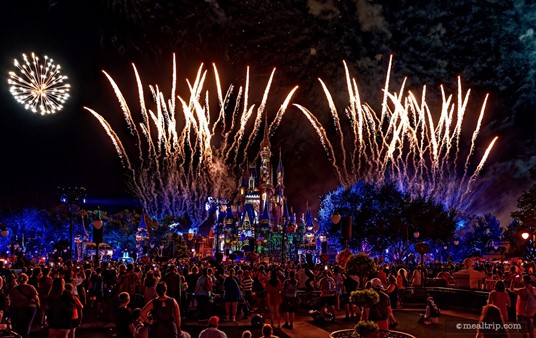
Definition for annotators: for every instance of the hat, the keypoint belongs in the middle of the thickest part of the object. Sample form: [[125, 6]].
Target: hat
[[213, 321], [376, 283]]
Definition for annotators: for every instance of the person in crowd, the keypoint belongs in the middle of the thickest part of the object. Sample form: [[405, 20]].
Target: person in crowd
[[202, 294], [268, 331], [24, 301], [128, 280], [523, 313], [231, 295], [174, 282], [301, 276], [337, 277], [124, 323], [34, 278], [327, 288], [149, 286], [165, 315], [445, 274], [60, 309], [4, 304], [392, 291], [78, 278], [274, 297], [191, 279], [491, 314], [349, 285], [290, 300], [246, 334], [140, 330], [76, 318], [382, 275], [310, 284], [259, 287], [431, 314], [381, 311], [500, 298], [402, 283], [43, 289], [212, 330], [247, 292], [417, 277], [96, 290]]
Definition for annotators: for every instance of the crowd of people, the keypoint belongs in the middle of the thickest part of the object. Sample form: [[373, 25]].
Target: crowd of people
[[153, 299]]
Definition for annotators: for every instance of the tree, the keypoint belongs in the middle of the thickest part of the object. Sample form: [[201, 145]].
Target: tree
[[31, 231], [361, 265], [384, 219], [478, 235], [526, 203]]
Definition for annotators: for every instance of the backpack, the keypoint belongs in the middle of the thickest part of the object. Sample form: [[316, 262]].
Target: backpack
[[530, 304], [208, 286]]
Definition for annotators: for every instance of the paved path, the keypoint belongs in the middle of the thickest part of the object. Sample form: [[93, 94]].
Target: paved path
[[304, 327]]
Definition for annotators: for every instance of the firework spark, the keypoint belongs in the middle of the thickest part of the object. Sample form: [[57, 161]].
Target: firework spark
[[404, 144], [179, 162], [40, 87]]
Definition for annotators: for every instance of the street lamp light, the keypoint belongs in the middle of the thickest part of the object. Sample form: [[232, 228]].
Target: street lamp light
[[70, 197], [4, 232], [323, 242], [336, 217], [525, 235]]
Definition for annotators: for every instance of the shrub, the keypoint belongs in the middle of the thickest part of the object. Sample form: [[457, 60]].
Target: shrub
[[364, 297], [360, 265]]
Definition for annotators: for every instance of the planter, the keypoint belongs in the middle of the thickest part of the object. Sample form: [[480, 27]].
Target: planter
[[350, 333]]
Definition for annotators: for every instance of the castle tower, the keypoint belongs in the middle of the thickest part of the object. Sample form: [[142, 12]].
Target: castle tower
[[265, 180]]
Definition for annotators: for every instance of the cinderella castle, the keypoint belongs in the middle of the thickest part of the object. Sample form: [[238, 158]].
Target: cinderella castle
[[260, 221]]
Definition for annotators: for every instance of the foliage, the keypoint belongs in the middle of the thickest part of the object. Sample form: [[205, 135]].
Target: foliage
[[478, 236], [360, 265], [47, 232], [120, 230], [32, 232], [176, 247], [385, 219], [365, 297], [524, 220], [365, 328], [512, 234], [526, 203]]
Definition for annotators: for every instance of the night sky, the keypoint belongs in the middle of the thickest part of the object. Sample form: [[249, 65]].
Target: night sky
[[490, 44]]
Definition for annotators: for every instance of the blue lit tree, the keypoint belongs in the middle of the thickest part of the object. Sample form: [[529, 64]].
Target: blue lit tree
[[31, 232], [478, 236], [385, 219]]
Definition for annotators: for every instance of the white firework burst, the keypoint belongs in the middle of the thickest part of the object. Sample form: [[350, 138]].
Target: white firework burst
[[39, 87]]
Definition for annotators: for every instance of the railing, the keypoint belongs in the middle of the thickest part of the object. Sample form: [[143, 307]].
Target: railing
[[350, 333]]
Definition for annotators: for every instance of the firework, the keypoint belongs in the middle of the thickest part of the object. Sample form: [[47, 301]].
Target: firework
[[39, 86], [182, 154], [404, 144]]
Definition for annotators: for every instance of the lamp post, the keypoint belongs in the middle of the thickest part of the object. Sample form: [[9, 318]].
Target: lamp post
[[531, 237], [422, 248], [70, 197]]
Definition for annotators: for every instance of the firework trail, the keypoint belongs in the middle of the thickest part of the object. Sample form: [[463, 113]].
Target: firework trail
[[404, 144], [178, 162], [39, 86]]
